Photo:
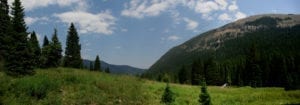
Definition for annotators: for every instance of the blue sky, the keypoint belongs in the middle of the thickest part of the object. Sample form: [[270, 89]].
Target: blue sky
[[139, 32]]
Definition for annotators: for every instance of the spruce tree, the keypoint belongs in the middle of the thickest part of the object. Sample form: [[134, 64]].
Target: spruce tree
[[55, 53], [204, 96], [35, 48], [97, 65], [46, 41], [183, 75], [72, 52], [168, 96], [45, 53], [20, 55], [91, 66], [107, 70], [253, 68], [4, 31]]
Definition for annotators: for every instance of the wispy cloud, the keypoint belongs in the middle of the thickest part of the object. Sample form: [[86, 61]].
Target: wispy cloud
[[102, 22], [191, 24], [173, 38], [34, 4], [32, 20]]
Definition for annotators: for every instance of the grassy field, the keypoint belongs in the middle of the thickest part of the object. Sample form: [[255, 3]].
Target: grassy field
[[61, 86]]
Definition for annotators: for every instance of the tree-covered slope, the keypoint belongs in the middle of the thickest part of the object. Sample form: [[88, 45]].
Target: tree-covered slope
[[272, 33]]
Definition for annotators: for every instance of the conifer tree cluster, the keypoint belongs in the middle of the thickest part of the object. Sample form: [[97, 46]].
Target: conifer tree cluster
[[16, 45], [20, 54]]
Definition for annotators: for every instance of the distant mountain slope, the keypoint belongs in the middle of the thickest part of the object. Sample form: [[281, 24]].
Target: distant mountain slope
[[117, 69], [230, 41]]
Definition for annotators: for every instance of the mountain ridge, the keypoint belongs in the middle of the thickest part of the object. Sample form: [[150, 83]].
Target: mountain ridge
[[209, 42]]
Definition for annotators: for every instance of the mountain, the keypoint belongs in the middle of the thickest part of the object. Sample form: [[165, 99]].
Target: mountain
[[116, 69], [271, 33]]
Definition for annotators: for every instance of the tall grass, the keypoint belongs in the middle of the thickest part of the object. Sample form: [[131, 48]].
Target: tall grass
[[63, 86]]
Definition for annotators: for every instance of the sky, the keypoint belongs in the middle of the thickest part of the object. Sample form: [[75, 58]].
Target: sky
[[139, 32]]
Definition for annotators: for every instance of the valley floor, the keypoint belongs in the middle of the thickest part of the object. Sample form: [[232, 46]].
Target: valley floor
[[62, 86]]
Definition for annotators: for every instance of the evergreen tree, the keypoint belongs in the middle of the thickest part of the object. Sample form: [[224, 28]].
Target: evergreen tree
[[183, 75], [107, 70], [197, 72], [91, 66], [204, 96], [55, 53], [97, 65], [46, 41], [45, 53], [5, 28], [72, 52], [20, 55], [252, 67], [168, 96], [35, 48]]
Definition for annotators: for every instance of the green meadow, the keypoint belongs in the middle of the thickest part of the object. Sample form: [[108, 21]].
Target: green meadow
[[63, 86]]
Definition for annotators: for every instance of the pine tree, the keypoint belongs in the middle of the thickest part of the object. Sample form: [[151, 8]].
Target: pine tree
[[197, 72], [253, 68], [20, 55], [45, 53], [91, 66], [72, 52], [97, 65], [5, 28], [46, 41], [168, 96], [55, 53], [183, 75], [204, 96], [35, 48], [107, 70]]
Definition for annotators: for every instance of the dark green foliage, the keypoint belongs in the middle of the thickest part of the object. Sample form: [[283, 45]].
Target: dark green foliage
[[97, 65], [197, 72], [183, 75], [72, 52], [204, 98], [253, 77], [35, 48], [19, 61], [55, 53], [265, 57], [168, 96], [91, 66], [51, 52], [107, 70], [266, 21], [5, 28], [46, 41]]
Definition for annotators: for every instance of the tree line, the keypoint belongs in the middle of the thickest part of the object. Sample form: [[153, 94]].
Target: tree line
[[266, 58], [20, 52]]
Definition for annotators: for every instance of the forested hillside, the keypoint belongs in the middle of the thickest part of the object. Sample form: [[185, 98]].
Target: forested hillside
[[257, 51]]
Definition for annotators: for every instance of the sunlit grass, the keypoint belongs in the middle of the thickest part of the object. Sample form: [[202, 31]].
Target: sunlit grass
[[63, 86]]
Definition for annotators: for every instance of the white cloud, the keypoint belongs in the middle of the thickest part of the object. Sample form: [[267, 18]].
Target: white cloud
[[191, 24], [142, 8], [34, 4], [224, 17], [209, 9], [96, 23], [240, 15], [206, 7], [124, 30], [233, 7], [173, 38], [223, 4], [32, 20]]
